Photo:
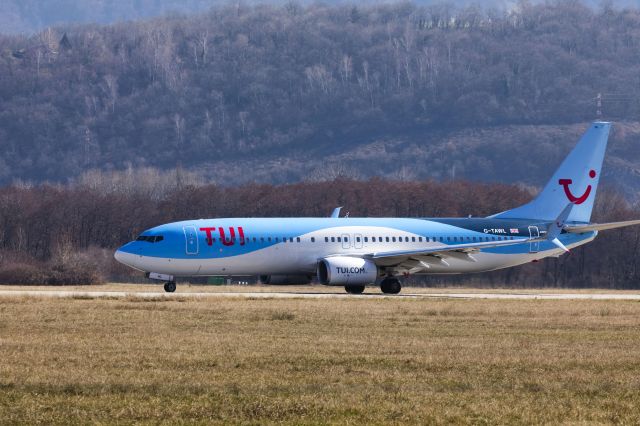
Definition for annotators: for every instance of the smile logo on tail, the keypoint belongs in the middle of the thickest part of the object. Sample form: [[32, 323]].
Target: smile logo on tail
[[576, 200]]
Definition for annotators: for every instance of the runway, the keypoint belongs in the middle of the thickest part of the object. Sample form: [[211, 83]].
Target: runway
[[311, 295]]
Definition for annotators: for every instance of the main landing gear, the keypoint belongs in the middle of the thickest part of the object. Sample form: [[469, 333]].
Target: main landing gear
[[390, 285], [354, 289], [170, 286]]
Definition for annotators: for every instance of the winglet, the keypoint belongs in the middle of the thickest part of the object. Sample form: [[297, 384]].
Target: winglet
[[560, 245], [336, 212], [555, 228]]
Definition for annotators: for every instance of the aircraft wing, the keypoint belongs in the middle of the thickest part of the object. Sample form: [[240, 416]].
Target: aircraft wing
[[413, 261], [578, 229]]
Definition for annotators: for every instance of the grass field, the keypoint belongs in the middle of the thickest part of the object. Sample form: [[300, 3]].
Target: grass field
[[318, 361]]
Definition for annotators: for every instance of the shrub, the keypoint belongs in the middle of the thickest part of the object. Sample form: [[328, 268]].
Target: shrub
[[19, 269]]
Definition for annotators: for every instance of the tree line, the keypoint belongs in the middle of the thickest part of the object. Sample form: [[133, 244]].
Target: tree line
[[67, 234]]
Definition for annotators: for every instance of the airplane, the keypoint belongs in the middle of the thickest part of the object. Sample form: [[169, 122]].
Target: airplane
[[359, 252]]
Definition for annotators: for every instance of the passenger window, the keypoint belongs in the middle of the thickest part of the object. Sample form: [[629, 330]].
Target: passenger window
[[339, 239], [420, 239], [269, 239], [326, 239], [346, 239], [358, 239], [406, 239], [393, 239], [373, 239], [413, 239], [366, 239], [387, 238], [313, 239], [297, 239], [333, 239]]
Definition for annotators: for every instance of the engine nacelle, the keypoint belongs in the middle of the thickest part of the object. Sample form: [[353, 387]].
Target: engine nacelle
[[285, 279], [344, 270]]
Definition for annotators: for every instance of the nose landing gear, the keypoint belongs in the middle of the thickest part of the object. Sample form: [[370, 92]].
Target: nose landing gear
[[170, 286], [390, 285]]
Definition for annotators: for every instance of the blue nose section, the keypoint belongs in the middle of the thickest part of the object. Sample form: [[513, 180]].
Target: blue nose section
[[126, 254], [119, 256]]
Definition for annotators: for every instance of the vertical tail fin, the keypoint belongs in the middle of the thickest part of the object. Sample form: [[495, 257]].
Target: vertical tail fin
[[575, 181]]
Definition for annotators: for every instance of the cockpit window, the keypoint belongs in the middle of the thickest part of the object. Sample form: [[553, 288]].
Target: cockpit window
[[150, 238]]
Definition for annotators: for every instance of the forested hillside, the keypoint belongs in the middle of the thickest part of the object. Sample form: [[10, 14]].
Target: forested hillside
[[27, 16], [289, 92]]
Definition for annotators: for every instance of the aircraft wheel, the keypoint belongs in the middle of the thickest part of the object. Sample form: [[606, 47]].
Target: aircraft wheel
[[170, 287], [354, 289], [390, 285]]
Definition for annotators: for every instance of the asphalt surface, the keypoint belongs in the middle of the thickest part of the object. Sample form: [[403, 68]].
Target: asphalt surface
[[311, 295]]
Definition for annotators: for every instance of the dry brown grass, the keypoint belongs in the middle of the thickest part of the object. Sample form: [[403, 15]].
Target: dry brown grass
[[319, 361]]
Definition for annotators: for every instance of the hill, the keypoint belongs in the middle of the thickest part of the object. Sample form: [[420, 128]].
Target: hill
[[284, 93]]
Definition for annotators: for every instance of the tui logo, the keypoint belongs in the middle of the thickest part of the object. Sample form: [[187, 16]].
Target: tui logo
[[223, 238], [576, 200]]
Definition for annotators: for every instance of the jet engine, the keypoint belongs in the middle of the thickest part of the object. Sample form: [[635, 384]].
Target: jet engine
[[285, 279], [347, 271]]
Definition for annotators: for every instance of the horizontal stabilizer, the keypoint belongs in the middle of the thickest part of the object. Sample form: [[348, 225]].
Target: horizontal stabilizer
[[578, 229]]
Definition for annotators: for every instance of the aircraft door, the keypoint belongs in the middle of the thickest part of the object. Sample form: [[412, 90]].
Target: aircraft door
[[345, 241], [534, 246], [191, 239], [357, 241]]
